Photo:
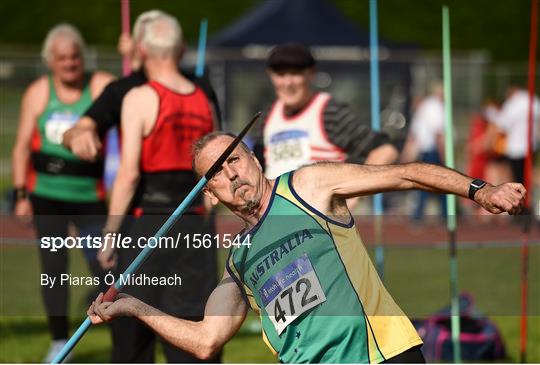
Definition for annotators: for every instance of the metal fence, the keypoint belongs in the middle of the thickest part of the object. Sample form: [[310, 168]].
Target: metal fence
[[475, 78]]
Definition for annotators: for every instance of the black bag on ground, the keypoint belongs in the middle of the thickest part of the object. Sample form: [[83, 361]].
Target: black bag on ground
[[480, 339]]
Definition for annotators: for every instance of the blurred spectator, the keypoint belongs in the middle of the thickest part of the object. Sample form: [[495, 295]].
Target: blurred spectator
[[84, 139], [160, 120], [485, 146], [479, 147], [513, 120], [426, 140], [305, 126], [497, 170], [50, 182], [127, 48]]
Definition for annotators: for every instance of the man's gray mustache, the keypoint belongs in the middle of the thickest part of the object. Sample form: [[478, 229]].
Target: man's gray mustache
[[236, 184]]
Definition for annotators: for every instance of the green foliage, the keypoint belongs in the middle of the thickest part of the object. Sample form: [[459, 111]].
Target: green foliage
[[502, 27], [27, 22]]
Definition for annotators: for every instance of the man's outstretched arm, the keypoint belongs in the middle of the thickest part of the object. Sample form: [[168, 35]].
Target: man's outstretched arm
[[344, 181], [83, 140], [224, 314]]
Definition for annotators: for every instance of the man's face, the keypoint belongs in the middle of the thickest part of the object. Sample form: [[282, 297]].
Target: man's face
[[293, 87], [238, 184], [66, 60]]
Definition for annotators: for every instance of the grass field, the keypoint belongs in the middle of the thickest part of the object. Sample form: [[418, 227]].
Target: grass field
[[416, 277]]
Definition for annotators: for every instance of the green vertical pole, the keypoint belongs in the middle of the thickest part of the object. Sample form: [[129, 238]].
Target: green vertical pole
[[450, 198]]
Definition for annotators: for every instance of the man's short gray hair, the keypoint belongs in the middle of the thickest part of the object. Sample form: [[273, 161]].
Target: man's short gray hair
[[162, 37], [199, 145], [142, 20], [62, 29]]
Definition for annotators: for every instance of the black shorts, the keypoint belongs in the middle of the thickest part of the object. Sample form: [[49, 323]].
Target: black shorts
[[411, 356]]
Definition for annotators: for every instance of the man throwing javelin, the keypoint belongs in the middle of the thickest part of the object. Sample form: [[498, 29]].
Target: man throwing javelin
[[306, 271]]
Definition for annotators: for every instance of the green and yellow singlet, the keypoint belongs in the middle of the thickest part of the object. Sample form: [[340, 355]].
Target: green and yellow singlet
[[319, 296]]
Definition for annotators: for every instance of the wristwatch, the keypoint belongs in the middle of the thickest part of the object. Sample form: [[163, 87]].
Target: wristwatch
[[476, 185], [19, 194]]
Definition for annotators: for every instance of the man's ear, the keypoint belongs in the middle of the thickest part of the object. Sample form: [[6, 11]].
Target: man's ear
[[213, 199], [257, 162], [140, 50], [182, 51]]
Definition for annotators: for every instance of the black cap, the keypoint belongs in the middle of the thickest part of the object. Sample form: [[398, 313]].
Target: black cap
[[290, 56]]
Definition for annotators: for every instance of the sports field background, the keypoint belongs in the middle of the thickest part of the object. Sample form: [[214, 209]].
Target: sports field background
[[416, 277], [489, 40]]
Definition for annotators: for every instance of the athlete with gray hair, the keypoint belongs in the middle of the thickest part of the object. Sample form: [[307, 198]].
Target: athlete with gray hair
[[305, 271], [84, 140], [50, 182], [63, 30], [159, 119]]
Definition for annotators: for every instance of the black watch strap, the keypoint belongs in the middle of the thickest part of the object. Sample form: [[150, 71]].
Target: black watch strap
[[476, 185], [20, 193]]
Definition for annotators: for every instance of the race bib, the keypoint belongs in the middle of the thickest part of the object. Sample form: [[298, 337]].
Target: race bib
[[57, 124], [291, 292], [289, 148]]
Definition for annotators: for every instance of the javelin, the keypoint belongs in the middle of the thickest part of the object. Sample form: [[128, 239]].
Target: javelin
[[376, 126], [145, 253], [112, 135], [201, 52], [124, 9], [450, 198]]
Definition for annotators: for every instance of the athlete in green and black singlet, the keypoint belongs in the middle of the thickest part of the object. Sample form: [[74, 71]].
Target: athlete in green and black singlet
[[318, 294], [57, 173]]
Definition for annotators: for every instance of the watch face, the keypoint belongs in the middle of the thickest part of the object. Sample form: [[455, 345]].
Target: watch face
[[478, 184]]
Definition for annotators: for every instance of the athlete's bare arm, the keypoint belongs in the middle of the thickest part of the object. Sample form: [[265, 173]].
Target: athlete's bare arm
[[82, 139], [139, 111], [382, 155], [224, 314], [326, 185], [33, 104]]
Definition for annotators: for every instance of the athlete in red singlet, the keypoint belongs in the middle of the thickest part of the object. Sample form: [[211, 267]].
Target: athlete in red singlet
[[160, 120]]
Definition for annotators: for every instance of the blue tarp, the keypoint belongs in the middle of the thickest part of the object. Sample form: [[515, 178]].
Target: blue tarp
[[309, 22]]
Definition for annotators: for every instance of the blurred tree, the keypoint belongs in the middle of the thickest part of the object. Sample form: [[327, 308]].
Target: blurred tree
[[27, 21], [501, 27]]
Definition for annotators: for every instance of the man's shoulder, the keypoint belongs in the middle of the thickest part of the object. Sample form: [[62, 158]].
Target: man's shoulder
[[37, 92], [141, 93], [521, 98], [41, 84], [433, 102], [428, 106], [335, 106], [336, 114], [102, 77], [99, 80], [332, 100], [308, 175]]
